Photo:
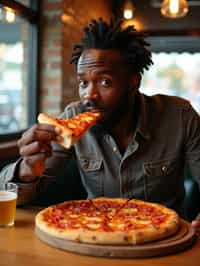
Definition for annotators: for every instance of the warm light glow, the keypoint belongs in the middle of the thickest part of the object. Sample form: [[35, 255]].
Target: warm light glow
[[128, 14], [128, 10], [137, 24], [174, 8], [10, 15], [65, 18]]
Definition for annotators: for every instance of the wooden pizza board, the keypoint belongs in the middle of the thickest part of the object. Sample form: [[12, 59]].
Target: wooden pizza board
[[183, 239]]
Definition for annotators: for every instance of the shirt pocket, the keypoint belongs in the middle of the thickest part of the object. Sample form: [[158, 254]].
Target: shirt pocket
[[163, 179], [92, 174]]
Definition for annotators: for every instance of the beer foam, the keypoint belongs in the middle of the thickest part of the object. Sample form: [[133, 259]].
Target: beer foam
[[7, 195]]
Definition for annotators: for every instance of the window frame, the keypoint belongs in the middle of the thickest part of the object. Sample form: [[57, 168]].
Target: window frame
[[153, 36], [31, 15]]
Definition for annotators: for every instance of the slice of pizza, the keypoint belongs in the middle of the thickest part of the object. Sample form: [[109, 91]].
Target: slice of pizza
[[72, 128]]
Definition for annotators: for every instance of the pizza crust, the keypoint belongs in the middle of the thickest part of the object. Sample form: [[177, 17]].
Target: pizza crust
[[83, 236]]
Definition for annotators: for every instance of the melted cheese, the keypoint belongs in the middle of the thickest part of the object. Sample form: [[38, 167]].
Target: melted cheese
[[129, 210], [96, 219], [73, 215], [140, 221], [93, 226]]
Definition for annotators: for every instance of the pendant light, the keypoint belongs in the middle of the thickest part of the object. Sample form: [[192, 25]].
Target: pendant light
[[174, 8], [128, 9]]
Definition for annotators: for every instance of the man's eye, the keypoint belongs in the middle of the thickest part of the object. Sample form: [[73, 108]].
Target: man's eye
[[83, 83], [106, 82]]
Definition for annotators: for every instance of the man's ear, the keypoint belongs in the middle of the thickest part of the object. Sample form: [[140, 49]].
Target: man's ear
[[135, 81]]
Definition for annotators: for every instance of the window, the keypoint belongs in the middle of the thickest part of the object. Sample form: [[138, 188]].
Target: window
[[176, 68], [18, 46]]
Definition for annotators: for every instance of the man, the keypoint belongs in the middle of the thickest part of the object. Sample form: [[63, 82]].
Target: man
[[141, 146]]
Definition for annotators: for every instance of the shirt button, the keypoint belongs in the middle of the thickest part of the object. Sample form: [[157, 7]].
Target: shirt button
[[164, 169], [114, 149], [85, 164]]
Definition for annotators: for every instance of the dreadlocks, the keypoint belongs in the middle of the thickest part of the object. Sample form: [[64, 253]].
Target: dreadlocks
[[101, 35]]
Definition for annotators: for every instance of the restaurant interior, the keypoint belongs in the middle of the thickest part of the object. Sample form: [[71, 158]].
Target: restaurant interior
[[36, 39]]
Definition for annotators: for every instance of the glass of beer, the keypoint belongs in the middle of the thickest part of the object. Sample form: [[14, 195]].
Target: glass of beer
[[8, 198]]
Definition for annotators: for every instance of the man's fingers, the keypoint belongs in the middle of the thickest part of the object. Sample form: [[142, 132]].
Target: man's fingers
[[196, 224], [34, 148], [39, 132]]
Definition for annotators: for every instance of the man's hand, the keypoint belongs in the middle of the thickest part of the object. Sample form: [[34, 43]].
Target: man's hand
[[35, 148], [196, 223]]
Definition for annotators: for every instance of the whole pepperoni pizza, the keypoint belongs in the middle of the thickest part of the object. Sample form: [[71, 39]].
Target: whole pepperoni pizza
[[108, 221]]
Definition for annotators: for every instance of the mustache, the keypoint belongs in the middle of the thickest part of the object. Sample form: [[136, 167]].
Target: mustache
[[87, 105]]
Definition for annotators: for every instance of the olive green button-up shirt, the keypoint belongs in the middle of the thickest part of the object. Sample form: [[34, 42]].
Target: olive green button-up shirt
[[165, 143]]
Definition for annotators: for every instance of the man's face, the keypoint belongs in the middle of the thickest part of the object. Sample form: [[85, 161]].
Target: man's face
[[104, 81]]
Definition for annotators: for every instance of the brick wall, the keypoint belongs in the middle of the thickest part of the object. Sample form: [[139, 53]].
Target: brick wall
[[61, 26], [51, 57]]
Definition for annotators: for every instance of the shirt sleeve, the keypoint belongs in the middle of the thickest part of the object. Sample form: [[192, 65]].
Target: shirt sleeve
[[192, 142], [8, 172]]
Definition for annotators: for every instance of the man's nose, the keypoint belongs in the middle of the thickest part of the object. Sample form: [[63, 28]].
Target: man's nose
[[91, 93]]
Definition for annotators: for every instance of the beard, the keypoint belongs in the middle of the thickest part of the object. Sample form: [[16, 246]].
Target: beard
[[111, 116], [117, 112]]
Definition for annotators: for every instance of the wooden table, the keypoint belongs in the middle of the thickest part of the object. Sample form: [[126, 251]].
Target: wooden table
[[19, 246]]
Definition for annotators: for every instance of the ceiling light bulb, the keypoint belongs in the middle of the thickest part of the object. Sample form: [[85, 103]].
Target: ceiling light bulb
[[128, 10], [174, 8], [128, 14]]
